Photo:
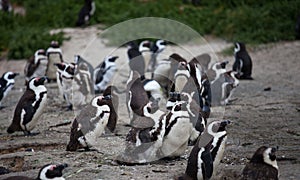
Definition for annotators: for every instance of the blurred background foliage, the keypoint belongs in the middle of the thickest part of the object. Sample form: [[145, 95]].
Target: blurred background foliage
[[249, 21]]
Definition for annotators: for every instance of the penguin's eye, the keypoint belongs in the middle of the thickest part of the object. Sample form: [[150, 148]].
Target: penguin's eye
[[149, 109]]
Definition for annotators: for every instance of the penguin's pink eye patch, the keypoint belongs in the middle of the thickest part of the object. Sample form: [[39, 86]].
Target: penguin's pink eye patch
[[52, 167], [37, 78]]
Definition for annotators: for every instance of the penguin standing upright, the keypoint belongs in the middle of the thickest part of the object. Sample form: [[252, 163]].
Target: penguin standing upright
[[90, 123], [156, 48], [54, 55], [104, 73], [113, 105], [207, 152], [86, 12], [83, 84], [30, 106], [7, 82], [65, 76], [263, 165], [136, 58], [243, 62], [47, 172], [36, 66]]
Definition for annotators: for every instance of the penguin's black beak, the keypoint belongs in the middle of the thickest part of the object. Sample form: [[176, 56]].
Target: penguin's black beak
[[16, 74], [61, 166], [274, 149], [224, 123], [43, 79], [108, 97]]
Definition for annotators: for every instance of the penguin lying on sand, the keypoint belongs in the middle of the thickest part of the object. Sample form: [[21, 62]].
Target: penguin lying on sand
[[7, 82], [90, 124], [243, 63], [263, 165], [207, 152], [30, 107], [47, 172]]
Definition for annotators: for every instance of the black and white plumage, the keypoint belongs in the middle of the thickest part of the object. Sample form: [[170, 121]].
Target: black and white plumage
[[47, 172], [179, 130], [36, 66], [7, 82], [263, 165], [83, 83], [136, 58], [5, 5], [30, 106], [104, 73], [216, 70], [65, 75], [243, 63], [207, 152], [86, 12], [90, 124], [156, 48], [54, 55], [223, 88]]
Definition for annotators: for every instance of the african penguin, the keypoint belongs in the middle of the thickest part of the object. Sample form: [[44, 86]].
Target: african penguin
[[243, 62], [30, 106], [90, 124], [216, 70], [83, 83], [145, 136], [36, 66], [113, 105], [47, 172], [263, 165], [86, 12], [136, 96], [207, 152], [65, 75], [104, 73], [54, 55], [156, 48], [178, 131], [136, 58], [7, 82]]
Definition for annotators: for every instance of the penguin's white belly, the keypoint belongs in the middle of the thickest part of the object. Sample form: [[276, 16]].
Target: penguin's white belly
[[9, 88], [180, 82], [41, 70], [31, 124], [219, 155], [93, 134], [175, 143]]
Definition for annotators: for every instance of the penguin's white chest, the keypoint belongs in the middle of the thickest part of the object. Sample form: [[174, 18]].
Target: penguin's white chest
[[38, 112]]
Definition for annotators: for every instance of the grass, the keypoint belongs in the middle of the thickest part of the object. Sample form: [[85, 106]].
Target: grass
[[250, 21]]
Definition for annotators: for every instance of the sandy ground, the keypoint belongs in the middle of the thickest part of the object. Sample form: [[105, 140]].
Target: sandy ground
[[259, 117]]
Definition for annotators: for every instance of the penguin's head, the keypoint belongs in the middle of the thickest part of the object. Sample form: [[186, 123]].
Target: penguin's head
[[266, 155], [51, 171], [239, 47], [54, 44], [102, 100], [60, 66], [219, 126], [145, 46], [161, 44], [9, 75], [36, 82], [40, 52]]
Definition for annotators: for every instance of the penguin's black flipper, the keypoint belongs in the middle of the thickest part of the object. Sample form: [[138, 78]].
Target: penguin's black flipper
[[207, 163]]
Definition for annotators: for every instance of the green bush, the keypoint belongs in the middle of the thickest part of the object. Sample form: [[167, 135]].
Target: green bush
[[249, 21]]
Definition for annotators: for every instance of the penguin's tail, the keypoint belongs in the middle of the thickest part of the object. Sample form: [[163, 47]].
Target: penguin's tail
[[10, 130]]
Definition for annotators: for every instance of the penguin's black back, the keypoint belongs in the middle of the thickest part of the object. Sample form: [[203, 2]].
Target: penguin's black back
[[260, 171]]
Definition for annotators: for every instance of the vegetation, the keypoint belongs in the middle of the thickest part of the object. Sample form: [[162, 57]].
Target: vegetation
[[249, 21]]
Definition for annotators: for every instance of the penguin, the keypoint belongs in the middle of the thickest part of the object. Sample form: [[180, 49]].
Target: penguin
[[47, 172], [161, 74], [5, 6], [113, 105], [154, 91], [86, 12], [223, 88], [136, 58], [65, 76], [136, 96], [178, 131], [104, 73], [90, 123], [7, 82], [83, 83], [145, 136], [54, 55], [30, 107], [207, 152], [156, 48], [216, 70], [243, 62], [262, 165], [36, 66]]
